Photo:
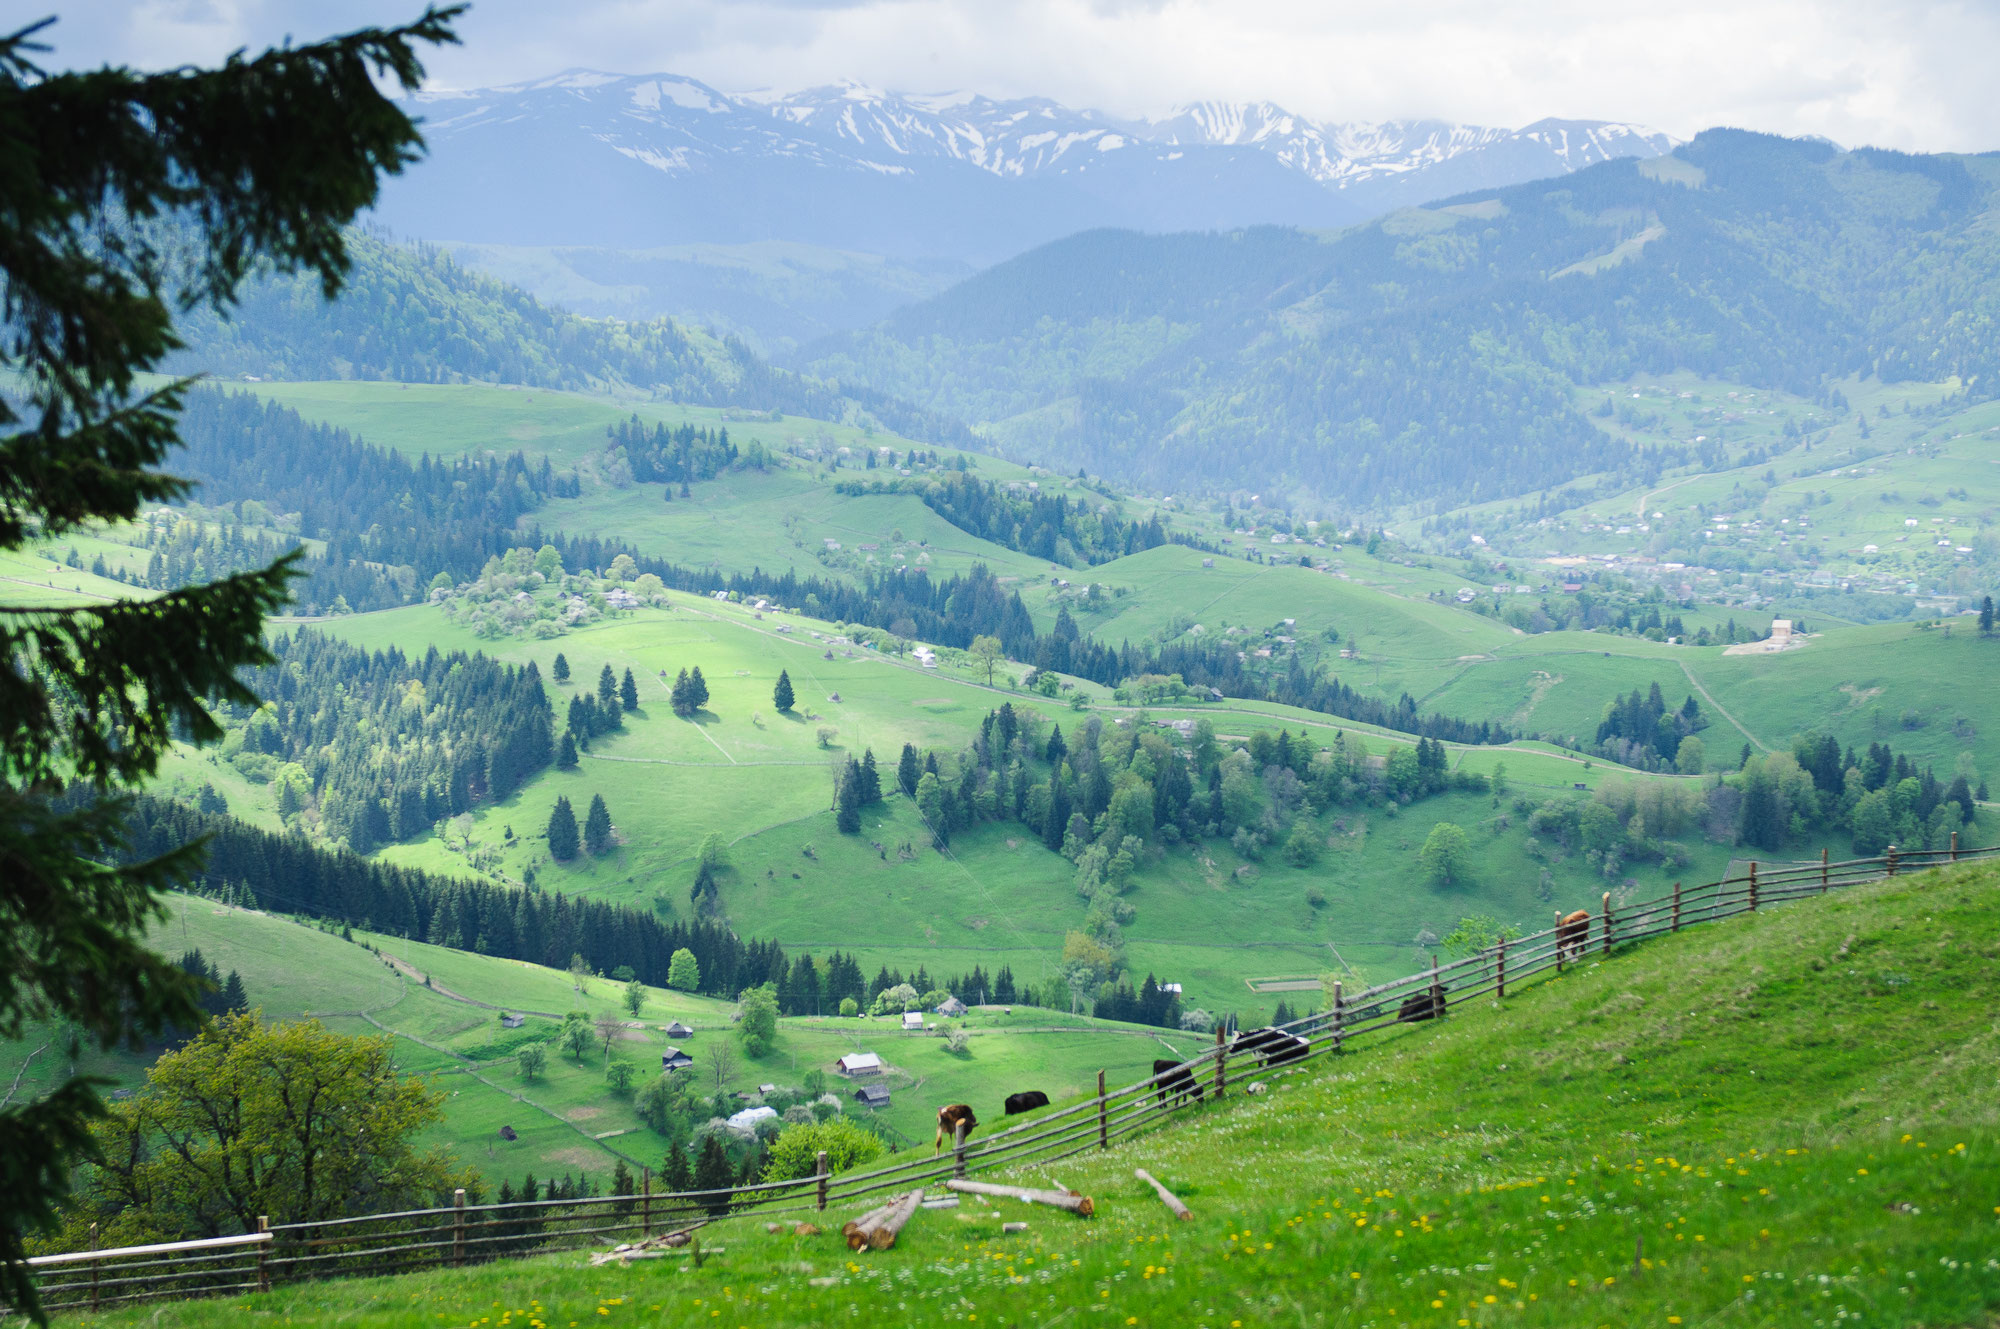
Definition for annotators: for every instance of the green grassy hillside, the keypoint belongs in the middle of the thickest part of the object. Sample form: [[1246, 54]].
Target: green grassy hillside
[[443, 1007], [1784, 1119]]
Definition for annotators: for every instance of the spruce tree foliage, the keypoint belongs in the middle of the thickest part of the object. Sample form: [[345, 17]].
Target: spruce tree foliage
[[597, 828], [871, 779], [1986, 617], [908, 771], [607, 689], [781, 695], [566, 757], [682, 696], [697, 688], [562, 831], [713, 1172], [628, 692], [131, 198], [847, 799], [560, 669], [675, 1174]]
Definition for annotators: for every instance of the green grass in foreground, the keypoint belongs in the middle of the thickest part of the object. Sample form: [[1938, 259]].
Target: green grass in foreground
[[1784, 1119]]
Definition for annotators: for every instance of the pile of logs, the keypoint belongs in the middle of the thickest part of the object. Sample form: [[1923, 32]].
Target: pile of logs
[[877, 1229], [653, 1248]]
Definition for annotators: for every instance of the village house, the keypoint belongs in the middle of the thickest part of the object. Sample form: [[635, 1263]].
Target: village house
[[860, 1063], [872, 1096], [673, 1059]]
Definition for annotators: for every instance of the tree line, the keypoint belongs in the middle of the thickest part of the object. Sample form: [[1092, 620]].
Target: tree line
[[379, 746]]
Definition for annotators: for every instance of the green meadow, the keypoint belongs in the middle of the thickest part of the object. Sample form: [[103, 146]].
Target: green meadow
[[1783, 1119]]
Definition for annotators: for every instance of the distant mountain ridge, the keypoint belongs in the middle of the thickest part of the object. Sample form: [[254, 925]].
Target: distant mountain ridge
[[589, 159], [1443, 354]]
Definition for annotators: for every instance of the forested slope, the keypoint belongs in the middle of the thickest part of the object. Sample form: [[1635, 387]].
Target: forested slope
[[1437, 353], [413, 315]]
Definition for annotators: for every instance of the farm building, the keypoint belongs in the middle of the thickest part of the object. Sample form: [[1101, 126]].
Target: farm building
[[951, 1006], [676, 1030], [511, 1021], [767, 1088], [860, 1063], [913, 1019], [673, 1059], [872, 1096]]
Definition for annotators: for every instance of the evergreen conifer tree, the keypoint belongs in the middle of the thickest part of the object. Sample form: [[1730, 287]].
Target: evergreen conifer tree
[[697, 688], [607, 688], [234, 999], [566, 754], [712, 1172], [675, 1174], [781, 696], [562, 831], [847, 800], [1986, 617], [597, 827], [908, 772], [628, 692], [871, 779], [131, 196], [560, 670], [682, 697]]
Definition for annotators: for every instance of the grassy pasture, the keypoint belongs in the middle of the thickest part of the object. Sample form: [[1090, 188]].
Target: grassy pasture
[[1702, 1129]]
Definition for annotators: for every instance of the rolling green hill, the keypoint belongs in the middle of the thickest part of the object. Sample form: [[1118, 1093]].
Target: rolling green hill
[[1786, 1118]]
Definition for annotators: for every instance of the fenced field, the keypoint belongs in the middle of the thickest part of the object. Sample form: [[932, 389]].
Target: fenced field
[[462, 1233]]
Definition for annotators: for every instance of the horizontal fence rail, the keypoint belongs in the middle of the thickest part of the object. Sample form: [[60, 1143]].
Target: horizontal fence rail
[[464, 1234]]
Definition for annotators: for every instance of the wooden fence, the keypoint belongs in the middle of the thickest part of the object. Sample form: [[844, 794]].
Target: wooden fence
[[464, 1234]]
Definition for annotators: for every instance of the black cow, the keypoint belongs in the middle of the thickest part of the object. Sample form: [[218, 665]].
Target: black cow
[[1274, 1046], [1175, 1078], [1026, 1101], [1425, 1005]]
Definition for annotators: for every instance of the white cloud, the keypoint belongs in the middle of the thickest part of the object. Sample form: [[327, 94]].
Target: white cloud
[[1892, 72]]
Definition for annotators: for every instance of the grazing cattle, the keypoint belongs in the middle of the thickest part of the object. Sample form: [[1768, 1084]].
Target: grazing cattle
[[1175, 1079], [1274, 1047], [948, 1121], [1572, 931], [1425, 1005], [1026, 1101]]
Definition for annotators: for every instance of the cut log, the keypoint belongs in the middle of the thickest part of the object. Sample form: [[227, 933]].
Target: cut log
[[884, 1236], [1075, 1204], [877, 1228], [805, 1229], [942, 1202], [1013, 1227], [1167, 1197]]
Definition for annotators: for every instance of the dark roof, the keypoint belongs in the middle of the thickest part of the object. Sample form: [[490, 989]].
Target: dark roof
[[874, 1095]]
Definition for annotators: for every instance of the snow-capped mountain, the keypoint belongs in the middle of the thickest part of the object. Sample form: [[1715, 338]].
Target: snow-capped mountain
[[594, 159]]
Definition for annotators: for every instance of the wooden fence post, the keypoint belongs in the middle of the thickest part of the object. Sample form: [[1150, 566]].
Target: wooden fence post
[[1339, 1018], [1607, 922], [458, 1226], [1822, 871], [958, 1150], [1103, 1128], [1559, 941], [1677, 907], [1954, 846], [263, 1255], [1753, 885], [1892, 860], [1221, 1062], [1500, 966], [93, 1268], [646, 1202], [1437, 990], [820, 1171]]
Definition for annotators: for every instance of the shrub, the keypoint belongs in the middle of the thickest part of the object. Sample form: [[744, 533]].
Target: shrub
[[796, 1152], [849, 1006]]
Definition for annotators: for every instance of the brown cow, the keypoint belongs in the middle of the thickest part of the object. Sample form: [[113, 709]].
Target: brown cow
[[948, 1119], [1572, 932]]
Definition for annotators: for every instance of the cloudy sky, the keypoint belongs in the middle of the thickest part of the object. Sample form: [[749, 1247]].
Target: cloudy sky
[[1898, 73]]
